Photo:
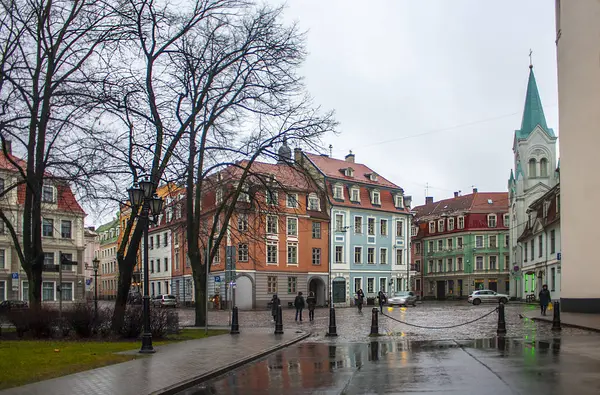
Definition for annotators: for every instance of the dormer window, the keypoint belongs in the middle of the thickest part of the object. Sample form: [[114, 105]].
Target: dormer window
[[272, 198], [492, 221], [399, 200], [313, 202], [376, 198], [48, 194], [432, 227], [219, 196], [349, 172], [355, 195], [506, 220], [244, 195], [546, 207], [338, 192], [413, 231], [373, 176], [441, 225]]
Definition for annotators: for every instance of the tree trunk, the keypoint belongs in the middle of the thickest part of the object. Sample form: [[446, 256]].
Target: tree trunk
[[126, 267], [34, 280], [200, 296]]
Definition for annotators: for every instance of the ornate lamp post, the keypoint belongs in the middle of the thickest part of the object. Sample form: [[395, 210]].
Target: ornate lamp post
[[96, 265], [142, 195]]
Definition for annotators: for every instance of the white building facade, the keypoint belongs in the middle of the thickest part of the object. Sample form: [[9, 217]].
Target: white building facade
[[534, 174], [159, 256]]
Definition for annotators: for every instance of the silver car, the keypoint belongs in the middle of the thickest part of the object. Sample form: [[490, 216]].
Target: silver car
[[403, 298], [165, 301], [487, 296]]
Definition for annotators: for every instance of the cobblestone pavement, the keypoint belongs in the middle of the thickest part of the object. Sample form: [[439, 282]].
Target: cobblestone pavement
[[355, 326]]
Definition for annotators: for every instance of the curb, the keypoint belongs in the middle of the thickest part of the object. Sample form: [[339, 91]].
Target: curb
[[174, 389], [566, 324]]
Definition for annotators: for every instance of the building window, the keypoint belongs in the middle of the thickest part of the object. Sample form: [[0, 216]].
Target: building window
[[339, 223], [383, 227], [449, 265], [492, 221], [47, 291], [506, 220], [316, 230], [357, 284], [313, 202], [292, 253], [441, 225], [151, 266], [532, 249], [48, 227], [493, 262], [399, 201], [292, 281], [338, 192], [440, 266], [552, 241], [382, 283], [2, 259], [272, 253], [272, 198], [66, 291], [493, 243], [532, 168], [292, 226], [418, 266], [65, 229], [506, 264], [339, 254], [376, 199], [165, 239], [413, 231], [291, 200], [370, 285], [506, 240], [371, 255], [25, 291], [540, 243], [2, 291], [355, 195], [450, 223], [242, 222], [242, 252], [552, 279], [524, 252], [544, 167], [358, 225], [358, 255], [417, 248], [271, 284], [432, 227], [479, 241], [430, 245], [383, 256], [151, 243], [219, 196], [48, 258], [371, 226], [316, 256], [166, 262], [272, 224], [459, 264], [177, 257], [449, 244], [430, 266], [47, 194], [461, 222], [399, 228], [440, 245], [399, 254], [479, 263]]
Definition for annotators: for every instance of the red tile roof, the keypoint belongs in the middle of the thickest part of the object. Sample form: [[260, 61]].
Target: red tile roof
[[478, 202], [285, 175], [332, 168], [65, 198], [552, 214]]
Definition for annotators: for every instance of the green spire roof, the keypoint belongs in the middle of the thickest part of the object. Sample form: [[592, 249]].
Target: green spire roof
[[533, 113]]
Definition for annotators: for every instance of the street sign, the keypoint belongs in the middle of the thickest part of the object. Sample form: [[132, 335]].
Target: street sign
[[15, 276], [558, 256], [217, 279], [15, 281]]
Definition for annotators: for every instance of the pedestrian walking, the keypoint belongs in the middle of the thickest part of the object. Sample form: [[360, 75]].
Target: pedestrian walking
[[382, 300], [299, 305], [311, 301], [275, 303], [360, 299], [544, 298]]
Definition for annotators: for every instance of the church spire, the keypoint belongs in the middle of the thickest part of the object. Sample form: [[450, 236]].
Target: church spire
[[533, 113]]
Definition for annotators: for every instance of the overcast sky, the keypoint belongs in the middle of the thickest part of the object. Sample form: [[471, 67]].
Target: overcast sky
[[429, 91]]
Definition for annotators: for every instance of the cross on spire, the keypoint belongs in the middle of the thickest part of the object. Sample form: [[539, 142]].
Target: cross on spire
[[530, 58]]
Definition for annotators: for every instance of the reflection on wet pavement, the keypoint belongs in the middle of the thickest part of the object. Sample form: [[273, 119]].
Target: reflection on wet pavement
[[553, 365]]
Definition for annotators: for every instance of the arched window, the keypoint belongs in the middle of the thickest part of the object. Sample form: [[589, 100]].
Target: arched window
[[532, 168], [544, 167]]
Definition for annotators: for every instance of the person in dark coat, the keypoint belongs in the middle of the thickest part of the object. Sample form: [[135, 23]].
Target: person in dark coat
[[299, 305], [311, 301], [360, 299], [382, 300], [544, 299], [275, 303]]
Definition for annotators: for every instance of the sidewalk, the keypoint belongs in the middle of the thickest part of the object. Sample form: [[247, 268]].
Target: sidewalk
[[576, 320], [171, 369]]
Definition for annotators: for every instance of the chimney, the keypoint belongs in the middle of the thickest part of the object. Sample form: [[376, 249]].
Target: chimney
[[350, 157], [455, 194], [8, 146], [407, 201], [298, 155], [428, 199], [474, 190], [92, 228]]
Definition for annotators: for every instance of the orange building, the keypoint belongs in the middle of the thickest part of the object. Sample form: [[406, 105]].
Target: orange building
[[279, 231]]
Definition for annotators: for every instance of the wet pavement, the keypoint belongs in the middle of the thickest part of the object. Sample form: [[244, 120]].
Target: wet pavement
[[487, 366]]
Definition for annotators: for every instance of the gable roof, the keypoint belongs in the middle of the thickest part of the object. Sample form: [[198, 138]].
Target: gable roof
[[332, 167], [478, 202], [285, 175]]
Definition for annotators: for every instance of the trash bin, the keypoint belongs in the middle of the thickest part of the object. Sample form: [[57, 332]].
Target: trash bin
[[371, 301]]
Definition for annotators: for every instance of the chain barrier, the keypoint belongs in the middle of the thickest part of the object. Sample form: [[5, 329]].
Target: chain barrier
[[440, 327]]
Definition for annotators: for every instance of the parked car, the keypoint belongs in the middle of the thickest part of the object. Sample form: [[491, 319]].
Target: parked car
[[487, 296], [12, 305], [403, 298], [164, 301]]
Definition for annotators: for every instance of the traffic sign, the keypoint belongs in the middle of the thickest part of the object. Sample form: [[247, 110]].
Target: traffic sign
[[558, 256], [15, 281], [217, 279], [15, 276]]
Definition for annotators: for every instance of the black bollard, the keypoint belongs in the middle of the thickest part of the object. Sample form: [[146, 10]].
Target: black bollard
[[556, 317], [235, 327], [279, 322], [501, 321], [332, 326], [374, 322]]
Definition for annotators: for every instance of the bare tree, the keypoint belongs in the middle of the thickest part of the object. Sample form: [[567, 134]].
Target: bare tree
[[49, 52]]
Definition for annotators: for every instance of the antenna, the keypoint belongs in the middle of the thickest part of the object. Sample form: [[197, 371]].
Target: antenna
[[427, 189], [331, 150]]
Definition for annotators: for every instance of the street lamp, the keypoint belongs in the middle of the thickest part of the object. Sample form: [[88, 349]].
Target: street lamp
[[96, 265], [142, 195]]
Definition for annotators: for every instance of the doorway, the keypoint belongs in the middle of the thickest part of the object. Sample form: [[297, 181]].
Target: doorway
[[460, 288], [441, 290], [493, 285], [339, 290], [317, 287]]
